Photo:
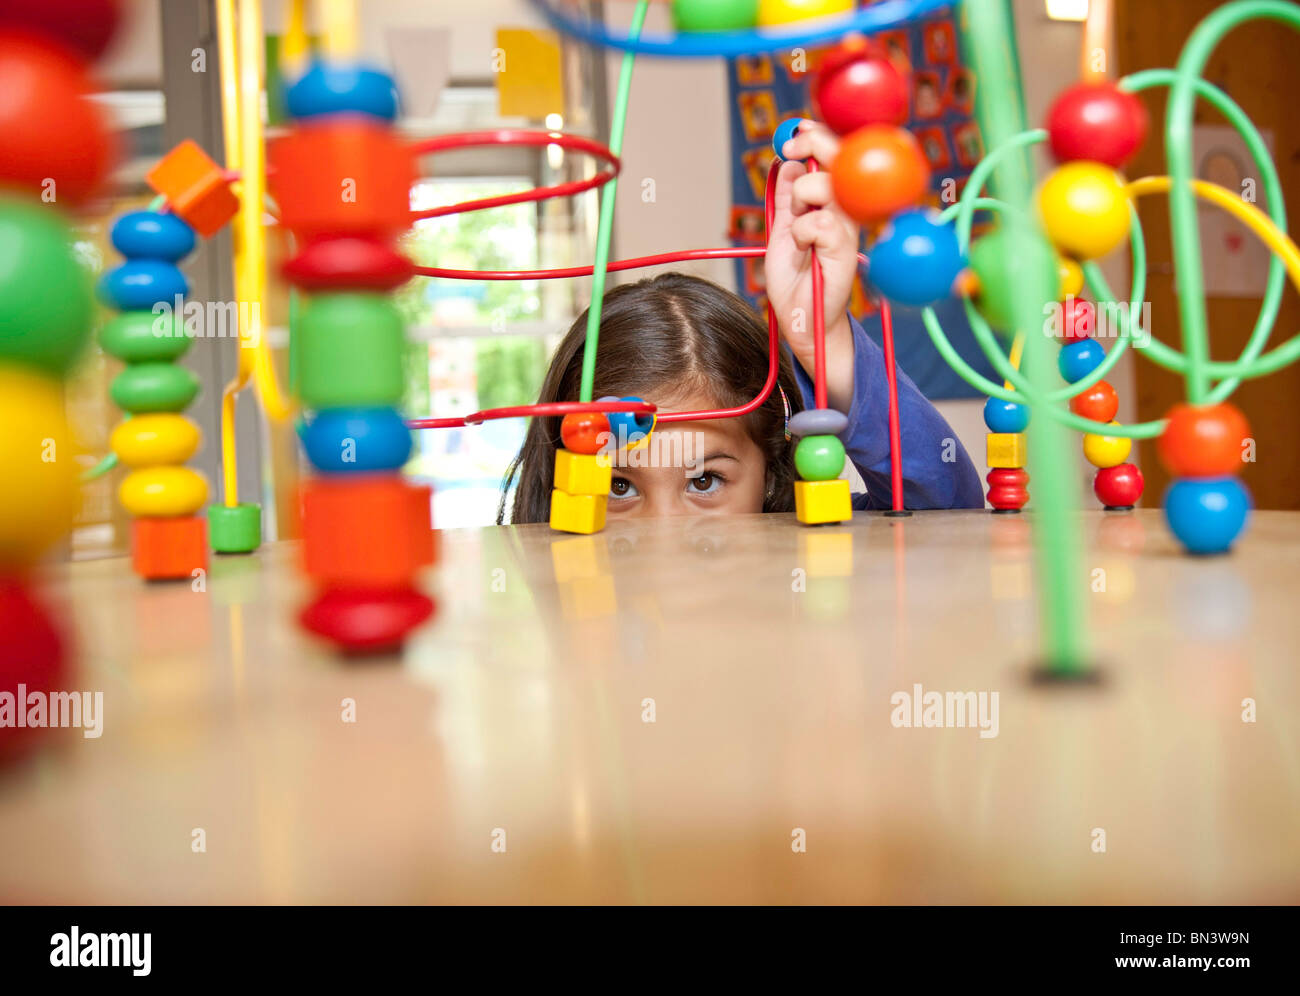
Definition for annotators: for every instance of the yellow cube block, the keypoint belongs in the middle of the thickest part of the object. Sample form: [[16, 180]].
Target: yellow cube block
[[1006, 449], [583, 473], [822, 501], [577, 513]]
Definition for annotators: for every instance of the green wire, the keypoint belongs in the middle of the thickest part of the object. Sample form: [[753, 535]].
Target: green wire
[[607, 210], [989, 36]]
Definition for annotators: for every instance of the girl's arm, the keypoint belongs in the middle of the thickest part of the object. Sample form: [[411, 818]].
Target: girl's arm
[[937, 472]]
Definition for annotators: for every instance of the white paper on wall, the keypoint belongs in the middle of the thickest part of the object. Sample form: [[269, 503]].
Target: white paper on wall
[[1235, 260]]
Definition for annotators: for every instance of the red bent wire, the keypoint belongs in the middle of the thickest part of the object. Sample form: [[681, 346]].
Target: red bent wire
[[520, 411], [585, 271], [819, 322], [518, 136]]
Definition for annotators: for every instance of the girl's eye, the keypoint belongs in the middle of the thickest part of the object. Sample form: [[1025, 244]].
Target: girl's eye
[[621, 487], [706, 484]]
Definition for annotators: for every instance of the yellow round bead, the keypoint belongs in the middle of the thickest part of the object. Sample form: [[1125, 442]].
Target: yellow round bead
[[788, 11], [155, 440], [1071, 274], [1084, 209], [1106, 451], [38, 469], [163, 492]]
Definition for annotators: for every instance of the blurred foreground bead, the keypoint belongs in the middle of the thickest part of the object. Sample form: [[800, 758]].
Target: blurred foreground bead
[[142, 337], [169, 548], [1071, 276], [366, 620], [357, 440], [1118, 487], [1097, 122], [348, 264], [196, 188], [84, 26], [163, 492], [1077, 319], [1085, 210], [772, 12], [46, 307], [1004, 275], [879, 171], [1203, 440], [139, 284], [857, 85], [155, 440], [365, 530], [32, 654], [915, 259], [714, 15], [351, 352], [152, 235], [1207, 514], [333, 88], [153, 387], [38, 470]]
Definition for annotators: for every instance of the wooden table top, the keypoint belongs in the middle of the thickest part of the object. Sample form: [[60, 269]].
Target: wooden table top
[[509, 754]]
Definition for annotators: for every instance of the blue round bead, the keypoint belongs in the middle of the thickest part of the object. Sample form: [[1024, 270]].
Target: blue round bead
[[1080, 358], [1207, 513], [1005, 416], [784, 132], [139, 284], [916, 259], [340, 440], [627, 428], [340, 89], [152, 235]]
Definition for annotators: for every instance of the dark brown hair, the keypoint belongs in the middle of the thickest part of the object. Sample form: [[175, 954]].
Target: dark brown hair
[[663, 338]]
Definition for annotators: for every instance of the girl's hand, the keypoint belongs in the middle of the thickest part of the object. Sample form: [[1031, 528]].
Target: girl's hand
[[807, 217]]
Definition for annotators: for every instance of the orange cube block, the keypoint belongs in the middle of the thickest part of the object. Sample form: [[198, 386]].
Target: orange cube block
[[343, 177], [365, 531], [195, 188], [169, 548]]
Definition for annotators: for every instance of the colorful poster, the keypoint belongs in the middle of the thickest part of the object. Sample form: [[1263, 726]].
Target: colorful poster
[[767, 89]]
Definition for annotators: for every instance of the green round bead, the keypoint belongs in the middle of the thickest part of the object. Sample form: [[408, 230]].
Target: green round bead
[[714, 15], [235, 530], [143, 337], [819, 458], [153, 387], [45, 294], [1004, 275], [350, 350]]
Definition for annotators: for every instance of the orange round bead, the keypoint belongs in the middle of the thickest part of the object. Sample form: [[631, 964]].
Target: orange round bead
[[1203, 440], [582, 431], [1099, 403], [878, 172]]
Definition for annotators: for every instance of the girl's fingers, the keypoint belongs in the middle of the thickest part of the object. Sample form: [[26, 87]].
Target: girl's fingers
[[811, 191], [814, 141], [818, 228], [784, 199]]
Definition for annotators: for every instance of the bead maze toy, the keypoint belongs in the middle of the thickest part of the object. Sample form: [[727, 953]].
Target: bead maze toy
[[56, 154]]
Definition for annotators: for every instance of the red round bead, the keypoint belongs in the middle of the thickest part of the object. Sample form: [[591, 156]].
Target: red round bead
[[355, 263], [857, 85], [1007, 488], [362, 620], [1119, 486], [1098, 122], [1099, 403], [1078, 318], [31, 654], [85, 26], [582, 431], [56, 141], [1203, 440]]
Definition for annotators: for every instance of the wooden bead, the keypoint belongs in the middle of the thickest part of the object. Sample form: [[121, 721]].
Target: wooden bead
[[365, 530], [143, 337], [356, 440], [32, 653], [83, 26], [1203, 440], [351, 349], [1079, 358], [1005, 449], [772, 12], [879, 171], [583, 473], [1084, 209], [139, 284], [1099, 403], [816, 502], [1097, 122], [1078, 319], [38, 469], [342, 88], [1207, 513], [585, 432], [857, 85], [1007, 488], [196, 188], [170, 548], [1003, 275], [916, 259], [1071, 275], [819, 458], [1005, 416], [349, 264], [1106, 451], [163, 492], [155, 440], [152, 235], [153, 387], [714, 15], [583, 514], [1119, 486]]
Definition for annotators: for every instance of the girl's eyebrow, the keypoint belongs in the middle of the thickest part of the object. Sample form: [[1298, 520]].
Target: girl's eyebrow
[[719, 455]]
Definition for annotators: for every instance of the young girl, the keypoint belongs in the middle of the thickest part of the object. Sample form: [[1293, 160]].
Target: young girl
[[687, 344]]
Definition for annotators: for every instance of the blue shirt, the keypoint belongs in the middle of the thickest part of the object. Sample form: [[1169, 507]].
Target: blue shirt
[[937, 472]]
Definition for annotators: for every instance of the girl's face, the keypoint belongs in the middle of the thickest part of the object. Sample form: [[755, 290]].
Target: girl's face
[[690, 468]]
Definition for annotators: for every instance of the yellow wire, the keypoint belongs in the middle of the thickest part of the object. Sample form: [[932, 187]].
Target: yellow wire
[[1017, 350], [293, 50], [1245, 212]]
